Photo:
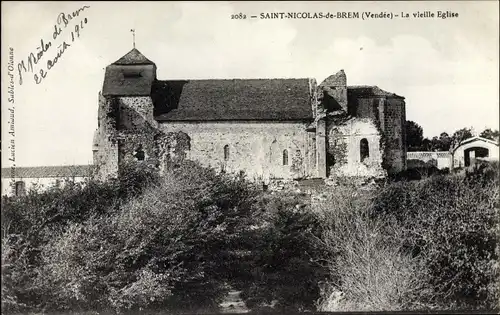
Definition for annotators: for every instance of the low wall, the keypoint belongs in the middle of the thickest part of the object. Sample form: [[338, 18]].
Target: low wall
[[440, 160]]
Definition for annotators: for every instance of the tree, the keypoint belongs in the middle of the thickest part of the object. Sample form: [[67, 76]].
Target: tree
[[441, 143], [414, 135], [426, 145], [461, 135], [490, 134], [445, 141]]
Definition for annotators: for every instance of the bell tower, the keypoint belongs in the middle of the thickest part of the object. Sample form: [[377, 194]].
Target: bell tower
[[131, 75], [125, 115]]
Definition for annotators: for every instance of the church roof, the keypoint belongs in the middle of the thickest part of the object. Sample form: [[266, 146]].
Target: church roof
[[47, 171], [236, 99], [133, 57], [367, 91]]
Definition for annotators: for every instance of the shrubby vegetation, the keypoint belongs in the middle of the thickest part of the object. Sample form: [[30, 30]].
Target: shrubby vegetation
[[144, 243], [428, 244], [452, 223], [184, 240], [370, 268]]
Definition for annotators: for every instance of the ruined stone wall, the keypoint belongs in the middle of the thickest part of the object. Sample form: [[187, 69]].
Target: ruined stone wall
[[389, 115], [136, 130], [328, 146], [366, 108], [255, 148], [171, 149], [135, 113], [344, 148], [310, 165], [313, 92], [105, 146], [321, 149], [126, 133], [395, 137], [334, 92]]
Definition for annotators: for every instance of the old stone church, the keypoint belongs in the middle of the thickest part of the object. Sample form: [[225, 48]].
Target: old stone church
[[267, 128]]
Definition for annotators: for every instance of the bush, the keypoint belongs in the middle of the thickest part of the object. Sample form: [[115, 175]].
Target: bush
[[451, 222], [30, 222], [370, 270], [184, 240], [282, 273], [145, 243], [159, 248]]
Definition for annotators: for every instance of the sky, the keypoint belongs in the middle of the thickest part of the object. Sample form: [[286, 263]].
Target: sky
[[447, 69]]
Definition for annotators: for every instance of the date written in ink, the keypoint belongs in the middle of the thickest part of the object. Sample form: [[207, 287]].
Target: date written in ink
[[34, 61]]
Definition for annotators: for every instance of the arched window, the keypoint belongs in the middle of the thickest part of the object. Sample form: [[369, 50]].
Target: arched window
[[226, 152], [285, 157], [364, 150]]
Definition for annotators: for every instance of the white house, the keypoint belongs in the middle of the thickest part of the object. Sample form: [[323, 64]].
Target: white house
[[474, 148], [16, 181]]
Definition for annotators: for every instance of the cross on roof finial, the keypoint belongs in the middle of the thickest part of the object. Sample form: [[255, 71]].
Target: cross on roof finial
[[133, 36]]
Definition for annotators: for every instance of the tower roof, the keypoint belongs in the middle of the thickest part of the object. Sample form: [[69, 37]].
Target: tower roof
[[133, 57]]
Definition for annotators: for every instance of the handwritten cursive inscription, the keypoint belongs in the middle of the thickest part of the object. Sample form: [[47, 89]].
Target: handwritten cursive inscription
[[33, 64]]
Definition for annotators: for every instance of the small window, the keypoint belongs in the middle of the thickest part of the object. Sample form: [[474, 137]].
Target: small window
[[285, 157], [226, 152], [364, 150], [131, 74], [20, 188], [139, 154]]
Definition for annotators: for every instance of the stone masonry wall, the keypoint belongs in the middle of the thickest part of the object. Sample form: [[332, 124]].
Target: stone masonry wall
[[136, 130], [344, 141], [366, 108], [328, 146], [334, 92], [126, 133], [136, 113], [395, 137], [255, 148], [389, 116], [105, 146]]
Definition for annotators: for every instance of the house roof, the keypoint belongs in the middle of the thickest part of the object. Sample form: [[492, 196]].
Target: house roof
[[133, 57], [47, 171], [473, 139], [236, 99], [370, 90]]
